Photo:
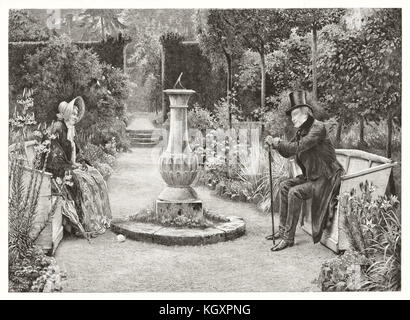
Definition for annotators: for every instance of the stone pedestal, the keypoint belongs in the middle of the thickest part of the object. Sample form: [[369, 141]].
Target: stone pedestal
[[168, 209], [178, 165]]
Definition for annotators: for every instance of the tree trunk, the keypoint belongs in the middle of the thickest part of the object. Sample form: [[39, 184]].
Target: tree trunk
[[263, 78], [69, 24], [314, 64], [229, 86], [164, 105], [102, 28], [389, 135], [361, 128], [392, 186], [339, 131]]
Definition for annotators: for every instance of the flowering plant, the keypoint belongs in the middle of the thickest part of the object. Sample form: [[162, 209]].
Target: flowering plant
[[43, 138], [22, 120]]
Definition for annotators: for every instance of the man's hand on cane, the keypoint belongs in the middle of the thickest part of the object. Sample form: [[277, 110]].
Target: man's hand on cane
[[272, 142]]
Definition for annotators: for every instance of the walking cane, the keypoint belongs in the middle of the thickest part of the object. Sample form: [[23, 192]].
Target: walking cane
[[271, 193]]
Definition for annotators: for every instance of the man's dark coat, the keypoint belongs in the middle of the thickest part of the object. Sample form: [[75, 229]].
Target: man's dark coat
[[315, 155]]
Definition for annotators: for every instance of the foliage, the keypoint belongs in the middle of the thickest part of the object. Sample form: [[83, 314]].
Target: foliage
[[343, 273], [380, 226], [29, 268], [251, 173], [186, 57], [362, 69], [34, 273], [178, 221], [61, 71], [226, 107], [25, 27], [100, 158], [100, 21], [287, 69], [375, 137], [277, 123], [217, 38], [280, 171], [218, 42], [374, 229], [23, 195], [200, 118], [260, 30], [110, 51], [143, 55], [306, 19]]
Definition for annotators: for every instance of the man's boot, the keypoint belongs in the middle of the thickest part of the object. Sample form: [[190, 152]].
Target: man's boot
[[277, 236], [283, 244]]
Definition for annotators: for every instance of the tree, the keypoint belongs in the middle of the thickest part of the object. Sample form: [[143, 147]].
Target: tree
[[312, 20], [260, 30], [25, 27], [287, 68], [338, 62], [362, 71], [145, 27], [382, 53], [104, 21], [218, 42]]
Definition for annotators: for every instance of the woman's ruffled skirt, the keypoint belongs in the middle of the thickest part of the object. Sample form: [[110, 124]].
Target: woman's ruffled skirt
[[93, 199]]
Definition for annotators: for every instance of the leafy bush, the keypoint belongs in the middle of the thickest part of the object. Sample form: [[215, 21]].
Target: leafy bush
[[61, 70], [280, 171], [374, 228], [103, 133], [379, 237], [97, 154], [25, 27], [277, 123], [222, 108], [34, 273], [200, 118]]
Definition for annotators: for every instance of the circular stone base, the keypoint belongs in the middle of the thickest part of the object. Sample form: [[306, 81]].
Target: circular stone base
[[171, 236]]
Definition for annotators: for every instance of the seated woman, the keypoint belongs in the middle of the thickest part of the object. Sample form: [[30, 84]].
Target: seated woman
[[86, 204]]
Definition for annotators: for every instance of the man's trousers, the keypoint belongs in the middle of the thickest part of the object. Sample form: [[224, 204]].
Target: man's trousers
[[292, 192]]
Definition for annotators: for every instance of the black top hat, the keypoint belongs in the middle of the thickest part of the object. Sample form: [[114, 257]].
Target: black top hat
[[297, 100]]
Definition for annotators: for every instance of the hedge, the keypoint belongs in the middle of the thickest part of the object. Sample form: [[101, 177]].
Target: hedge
[[109, 51], [186, 57]]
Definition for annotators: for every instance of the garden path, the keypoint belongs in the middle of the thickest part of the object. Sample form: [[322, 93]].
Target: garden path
[[242, 265], [141, 122]]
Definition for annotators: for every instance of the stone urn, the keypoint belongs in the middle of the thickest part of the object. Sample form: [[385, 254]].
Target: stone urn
[[178, 165]]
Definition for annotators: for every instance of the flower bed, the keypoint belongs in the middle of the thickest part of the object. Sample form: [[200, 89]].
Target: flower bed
[[374, 264], [149, 216], [36, 272]]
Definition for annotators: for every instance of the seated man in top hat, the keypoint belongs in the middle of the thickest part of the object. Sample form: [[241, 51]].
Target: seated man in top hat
[[321, 172]]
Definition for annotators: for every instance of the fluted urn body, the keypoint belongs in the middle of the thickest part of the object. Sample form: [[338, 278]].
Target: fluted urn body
[[178, 165]]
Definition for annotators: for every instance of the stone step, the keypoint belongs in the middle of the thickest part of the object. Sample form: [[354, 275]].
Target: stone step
[[143, 144], [141, 135], [142, 140], [130, 131]]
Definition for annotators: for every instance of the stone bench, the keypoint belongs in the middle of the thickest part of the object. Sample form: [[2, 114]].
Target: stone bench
[[47, 229], [359, 167]]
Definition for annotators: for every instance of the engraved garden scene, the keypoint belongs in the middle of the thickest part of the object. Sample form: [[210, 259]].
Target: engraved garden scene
[[204, 150]]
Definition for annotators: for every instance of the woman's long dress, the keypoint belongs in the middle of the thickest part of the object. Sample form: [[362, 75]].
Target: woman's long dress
[[87, 203]]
